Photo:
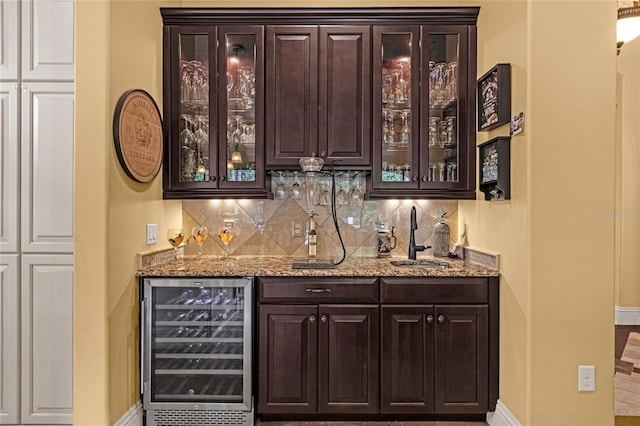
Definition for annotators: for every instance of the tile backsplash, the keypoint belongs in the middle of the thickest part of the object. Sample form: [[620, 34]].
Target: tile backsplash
[[265, 227]]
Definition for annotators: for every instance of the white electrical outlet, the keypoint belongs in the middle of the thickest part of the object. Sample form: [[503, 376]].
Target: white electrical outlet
[[586, 378], [152, 233], [296, 229]]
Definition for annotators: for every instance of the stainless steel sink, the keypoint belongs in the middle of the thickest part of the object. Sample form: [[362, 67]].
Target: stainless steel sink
[[420, 264]]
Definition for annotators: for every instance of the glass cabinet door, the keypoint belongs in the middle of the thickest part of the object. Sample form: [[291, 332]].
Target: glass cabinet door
[[396, 100], [241, 81], [191, 71], [445, 119]]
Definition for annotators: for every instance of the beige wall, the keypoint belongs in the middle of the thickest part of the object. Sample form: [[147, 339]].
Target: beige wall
[[554, 235], [118, 47], [554, 225], [627, 209]]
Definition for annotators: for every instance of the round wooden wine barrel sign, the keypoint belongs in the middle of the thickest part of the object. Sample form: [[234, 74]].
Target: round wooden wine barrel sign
[[137, 133]]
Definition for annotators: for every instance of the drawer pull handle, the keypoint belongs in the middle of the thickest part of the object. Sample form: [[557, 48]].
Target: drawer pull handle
[[318, 290], [440, 318], [430, 319], [312, 318], [323, 318]]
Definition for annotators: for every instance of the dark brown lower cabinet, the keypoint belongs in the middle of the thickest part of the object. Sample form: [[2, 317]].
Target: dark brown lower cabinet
[[318, 359], [434, 359], [358, 348]]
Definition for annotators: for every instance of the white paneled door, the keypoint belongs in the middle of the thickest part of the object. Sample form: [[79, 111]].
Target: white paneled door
[[9, 27], [47, 40], [9, 339], [9, 162], [47, 167], [47, 338]]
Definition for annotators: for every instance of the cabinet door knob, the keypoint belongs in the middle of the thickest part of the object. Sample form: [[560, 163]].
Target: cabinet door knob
[[440, 318], [213, 178], [323, 318], [429, 319], [312, 318], [424, 178], [414, 178], [223, 178]]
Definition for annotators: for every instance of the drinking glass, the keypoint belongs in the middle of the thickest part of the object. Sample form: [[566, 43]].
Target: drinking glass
[[200, 234], [356, 194], [225, 234], [295, 190], [281, 190], [341, 197], [175, 237]]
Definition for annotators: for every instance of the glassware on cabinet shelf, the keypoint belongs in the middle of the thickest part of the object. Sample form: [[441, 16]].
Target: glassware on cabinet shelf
[[194, 108], [443, 108], [241, 94], [396, 132]]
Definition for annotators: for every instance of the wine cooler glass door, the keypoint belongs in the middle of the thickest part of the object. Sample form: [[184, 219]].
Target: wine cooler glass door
[[198, 344]]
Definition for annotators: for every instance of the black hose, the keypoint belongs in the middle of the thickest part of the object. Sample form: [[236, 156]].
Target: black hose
[[334, 214]]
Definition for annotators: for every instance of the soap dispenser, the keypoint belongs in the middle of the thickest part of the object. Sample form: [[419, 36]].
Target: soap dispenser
[[441, 234]]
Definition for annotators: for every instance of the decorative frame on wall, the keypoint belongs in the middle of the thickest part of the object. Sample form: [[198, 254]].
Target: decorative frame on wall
[[494, 97], [137, 135], [495, 168]]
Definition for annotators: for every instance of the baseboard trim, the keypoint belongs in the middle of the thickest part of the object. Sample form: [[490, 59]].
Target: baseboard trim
[[502, 416], [627, 316], [133, 417]]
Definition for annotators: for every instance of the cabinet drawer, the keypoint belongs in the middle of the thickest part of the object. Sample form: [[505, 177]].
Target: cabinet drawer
[[318, 290], [434, 290]]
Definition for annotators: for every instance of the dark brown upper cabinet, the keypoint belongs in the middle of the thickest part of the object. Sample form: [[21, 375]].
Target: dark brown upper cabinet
[[386, 90], [423, 111], [318, 95], [214, 112]]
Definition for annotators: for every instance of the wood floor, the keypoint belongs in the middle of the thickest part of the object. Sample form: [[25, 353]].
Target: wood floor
[[627, 376]]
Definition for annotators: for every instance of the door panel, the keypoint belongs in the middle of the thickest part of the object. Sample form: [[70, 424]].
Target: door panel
[[47, 338], [291, 94], [348, 359], [287, 359], [47, 171], [407, 359], [461, 360], [345, 94]]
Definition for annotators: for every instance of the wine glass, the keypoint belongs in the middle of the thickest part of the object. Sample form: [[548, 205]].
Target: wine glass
[[175, 237], [295, 190], [281, 190], [356, 194], [200, 234], [226, 235]]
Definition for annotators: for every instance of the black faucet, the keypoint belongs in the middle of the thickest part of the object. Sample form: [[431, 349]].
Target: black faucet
[[413, 247]]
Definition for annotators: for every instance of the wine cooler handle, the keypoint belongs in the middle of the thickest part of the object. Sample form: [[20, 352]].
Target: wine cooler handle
[[318, 290], [143, 353]]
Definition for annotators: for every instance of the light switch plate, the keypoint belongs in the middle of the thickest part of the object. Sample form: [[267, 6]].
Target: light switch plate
[[152, 233]]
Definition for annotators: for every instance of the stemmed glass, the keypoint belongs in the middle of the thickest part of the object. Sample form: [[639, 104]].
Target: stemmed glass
[[356, 193], [200, 234], [295, 190], [225, 234], [281, 190], [341, 197], [175, 236]]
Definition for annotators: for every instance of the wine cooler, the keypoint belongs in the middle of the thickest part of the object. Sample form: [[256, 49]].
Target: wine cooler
[[196, 351]]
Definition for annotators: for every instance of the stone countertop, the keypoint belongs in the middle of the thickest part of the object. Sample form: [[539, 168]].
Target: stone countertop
[[280, 266]]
